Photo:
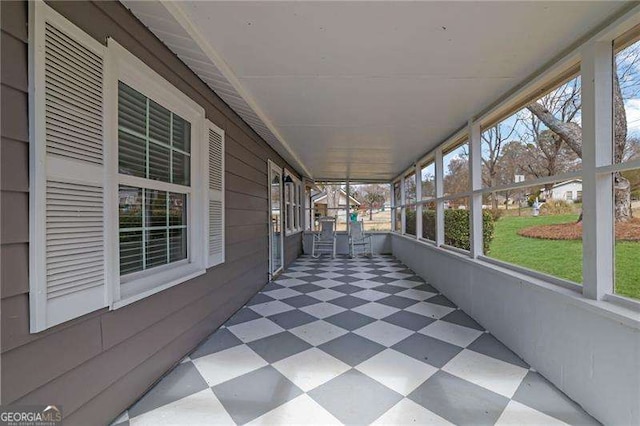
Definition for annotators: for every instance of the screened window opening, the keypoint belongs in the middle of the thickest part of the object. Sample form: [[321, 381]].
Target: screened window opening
[[456, 181], [456, 170], [372, 205], [410, 198], [626, 160]]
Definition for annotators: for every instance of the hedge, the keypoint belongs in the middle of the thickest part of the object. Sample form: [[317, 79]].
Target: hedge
[[456, 227]]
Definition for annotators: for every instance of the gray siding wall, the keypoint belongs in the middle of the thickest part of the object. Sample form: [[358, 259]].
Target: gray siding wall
[[97, 365]]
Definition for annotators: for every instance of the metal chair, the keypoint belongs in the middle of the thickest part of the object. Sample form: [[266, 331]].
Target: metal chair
[[358, 238], [325, 240]]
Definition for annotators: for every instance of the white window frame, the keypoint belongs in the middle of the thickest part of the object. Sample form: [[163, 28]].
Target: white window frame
[[124, 66], [292, 207], [422, 202], [406, 204]]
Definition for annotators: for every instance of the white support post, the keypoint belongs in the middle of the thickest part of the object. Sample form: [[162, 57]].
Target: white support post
[[403, 210], [392, 191], [439, 192], [348, 205], [475, 221], [597, 147], [418, 179]]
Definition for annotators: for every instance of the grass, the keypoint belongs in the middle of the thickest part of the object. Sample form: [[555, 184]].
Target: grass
[[562, 259]]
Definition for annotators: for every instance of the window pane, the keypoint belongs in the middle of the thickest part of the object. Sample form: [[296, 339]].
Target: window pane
[[429, 221], [331, 200], [410, 189], [132, 154], [155, 207], [151, 244], [130, 207], [158, 162], [181, 134], [296, 204], [132, 109], [153, 143], [627, 232], [177, 244], [522, 147], [543, 236], [626, 94], [159, 123], [396, 194], [456, 170], [428, 180], [398, 220], [181, 168], [130, 217], [156, 247], [130, 252], [177, 209], [288, 187], [410, 220], [456, 223]]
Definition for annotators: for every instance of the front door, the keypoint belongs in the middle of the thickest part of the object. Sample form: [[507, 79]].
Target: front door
[[276, 241]]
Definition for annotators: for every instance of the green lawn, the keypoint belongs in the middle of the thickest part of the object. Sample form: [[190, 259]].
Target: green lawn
[[562, 259]]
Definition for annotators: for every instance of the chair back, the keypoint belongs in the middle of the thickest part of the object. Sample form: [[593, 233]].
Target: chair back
[[356, 230], [327, 229]]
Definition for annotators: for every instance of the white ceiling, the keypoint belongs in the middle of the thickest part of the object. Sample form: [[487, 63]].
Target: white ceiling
[[362, 89]]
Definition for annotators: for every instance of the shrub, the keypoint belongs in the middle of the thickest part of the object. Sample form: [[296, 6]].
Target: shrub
[[456, 225], [429, 224], [554, 207], [495, 213]]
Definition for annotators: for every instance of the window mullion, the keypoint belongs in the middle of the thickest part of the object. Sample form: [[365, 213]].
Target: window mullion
[[403, 218], [418, 181], [144, 231], [170, 147], [146, 140], [167, 222], [439, 203], [597, 150], [475, 219]]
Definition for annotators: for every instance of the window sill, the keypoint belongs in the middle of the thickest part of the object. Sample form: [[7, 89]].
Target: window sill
[[140, 288], [290, 233], [610, 308]]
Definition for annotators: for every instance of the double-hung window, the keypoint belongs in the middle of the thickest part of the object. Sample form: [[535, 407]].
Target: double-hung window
[[127, 194], [292, 203], [154, 145], [161, 176]]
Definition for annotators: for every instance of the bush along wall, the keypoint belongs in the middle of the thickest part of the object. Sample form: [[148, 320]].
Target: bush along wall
[[456, 227]]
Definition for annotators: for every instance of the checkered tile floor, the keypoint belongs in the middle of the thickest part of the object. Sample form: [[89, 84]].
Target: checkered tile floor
[[352, 341]]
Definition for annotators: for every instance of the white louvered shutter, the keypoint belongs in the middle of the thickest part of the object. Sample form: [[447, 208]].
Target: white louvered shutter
[[215, 168], [67, 237]]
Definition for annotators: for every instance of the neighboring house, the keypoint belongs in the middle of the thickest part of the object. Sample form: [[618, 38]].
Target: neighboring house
[[570, 191], [319, 201]]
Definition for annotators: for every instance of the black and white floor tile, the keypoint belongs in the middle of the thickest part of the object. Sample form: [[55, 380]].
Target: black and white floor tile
[[352, 341]]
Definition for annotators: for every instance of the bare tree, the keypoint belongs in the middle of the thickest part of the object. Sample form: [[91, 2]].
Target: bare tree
[[561, 123], [493, 141], [373, 196], [333, 191]]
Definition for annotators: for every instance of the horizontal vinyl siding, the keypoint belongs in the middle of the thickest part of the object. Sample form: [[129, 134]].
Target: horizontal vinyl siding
[[97, 365]]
